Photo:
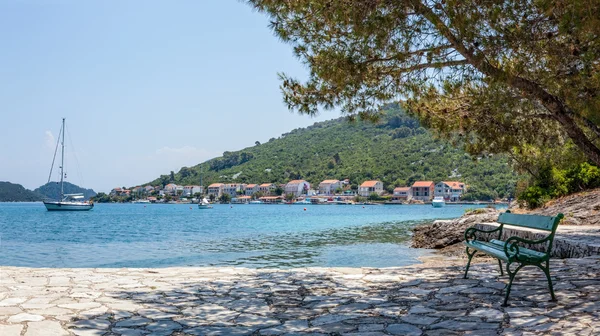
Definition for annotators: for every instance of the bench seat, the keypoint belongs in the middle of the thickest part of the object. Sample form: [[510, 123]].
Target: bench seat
[[511, 250], [495, 248]]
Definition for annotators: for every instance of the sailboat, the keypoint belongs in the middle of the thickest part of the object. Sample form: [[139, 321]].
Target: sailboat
[[204, 204], [65, 202]]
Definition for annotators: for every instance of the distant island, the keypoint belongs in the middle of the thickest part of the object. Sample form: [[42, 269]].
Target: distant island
[[12, 192], [52, 190]]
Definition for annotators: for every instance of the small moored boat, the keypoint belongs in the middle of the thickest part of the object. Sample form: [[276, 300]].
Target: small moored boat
[[204, 204], [438, 202]]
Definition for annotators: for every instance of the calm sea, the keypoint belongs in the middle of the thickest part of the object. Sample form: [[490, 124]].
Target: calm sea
[[157, 235]]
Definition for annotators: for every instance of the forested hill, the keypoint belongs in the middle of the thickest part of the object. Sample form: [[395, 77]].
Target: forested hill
[[51, 190], [396, 151], [11, 192]]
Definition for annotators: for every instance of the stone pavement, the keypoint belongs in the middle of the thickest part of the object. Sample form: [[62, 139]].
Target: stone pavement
[[417, 300]]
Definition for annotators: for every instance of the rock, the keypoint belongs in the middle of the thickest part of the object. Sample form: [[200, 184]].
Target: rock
[[45, 328], [11, 330], [440, 234], [403, 329], [24, 317]]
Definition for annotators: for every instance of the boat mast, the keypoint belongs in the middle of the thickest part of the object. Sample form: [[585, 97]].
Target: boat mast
[[62, 161]]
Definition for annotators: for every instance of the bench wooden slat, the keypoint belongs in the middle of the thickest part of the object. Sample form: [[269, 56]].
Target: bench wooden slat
[[538, 222], [522, 250]]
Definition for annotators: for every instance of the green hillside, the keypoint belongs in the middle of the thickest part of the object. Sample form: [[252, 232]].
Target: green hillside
[[11, 192], [52, 190], [395, 150]]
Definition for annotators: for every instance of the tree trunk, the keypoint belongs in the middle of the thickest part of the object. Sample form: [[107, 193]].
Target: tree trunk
[[579, 138]]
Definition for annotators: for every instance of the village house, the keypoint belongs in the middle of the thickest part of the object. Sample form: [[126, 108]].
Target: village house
[[452, 191], [369, 187], [192, 190], [251, 189], [138, 190], [267, 188], [170, 189], [296, 187], [149, 189], [328, 187], [116, 191], [232, 189], [402, 194], [215, 189], [243, 199], [423, 190]]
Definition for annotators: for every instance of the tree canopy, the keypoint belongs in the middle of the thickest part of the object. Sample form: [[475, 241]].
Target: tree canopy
[[494, 75]]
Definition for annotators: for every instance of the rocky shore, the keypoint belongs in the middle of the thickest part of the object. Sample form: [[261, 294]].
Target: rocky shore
[[577, 236]]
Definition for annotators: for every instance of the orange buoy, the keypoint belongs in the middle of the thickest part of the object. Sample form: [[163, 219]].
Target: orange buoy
[[304, 209]]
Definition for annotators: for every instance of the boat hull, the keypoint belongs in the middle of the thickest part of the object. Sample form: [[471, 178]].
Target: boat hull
[[438, 204], [68, 206], [204, 206]]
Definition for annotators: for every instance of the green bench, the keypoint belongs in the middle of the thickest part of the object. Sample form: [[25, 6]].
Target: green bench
[[510, 250]]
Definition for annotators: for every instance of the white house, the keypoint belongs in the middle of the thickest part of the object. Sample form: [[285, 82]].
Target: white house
[[328, 187], [369, 187], [149, 188], [251, 189], [232, 189], [170, 189], [402, 194], [452, 191], [191, 190], [296, 187], [215, 189], [267, 188]]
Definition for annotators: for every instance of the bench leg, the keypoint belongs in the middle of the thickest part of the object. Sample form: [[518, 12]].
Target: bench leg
[[500, 264], [471, 255], [547, 272], [510, 281]]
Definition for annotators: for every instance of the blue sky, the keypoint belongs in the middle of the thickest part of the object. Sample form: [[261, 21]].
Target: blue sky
[[146, 86]]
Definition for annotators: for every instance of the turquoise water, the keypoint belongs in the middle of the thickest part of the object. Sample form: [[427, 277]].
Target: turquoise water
[[160, 235]]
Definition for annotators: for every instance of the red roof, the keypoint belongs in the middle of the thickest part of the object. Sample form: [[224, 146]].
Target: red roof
[[424, 184], [454, 184], [266, 184], [330, 181], [251, 185], [402, 189], [369, 183], [215, 185], [296, 181]]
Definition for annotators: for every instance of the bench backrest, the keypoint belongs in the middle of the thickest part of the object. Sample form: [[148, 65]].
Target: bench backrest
[[538, 222]]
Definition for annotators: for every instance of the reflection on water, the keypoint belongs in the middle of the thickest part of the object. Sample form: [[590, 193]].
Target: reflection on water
[[134, 235]]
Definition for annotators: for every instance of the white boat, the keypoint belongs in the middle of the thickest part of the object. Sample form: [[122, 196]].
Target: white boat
[[438, 202], [204, 204], [142, 201], [255, 202], [65, 202]]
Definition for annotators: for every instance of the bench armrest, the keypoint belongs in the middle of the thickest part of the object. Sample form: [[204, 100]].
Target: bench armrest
[[511, 247], [470, 232]]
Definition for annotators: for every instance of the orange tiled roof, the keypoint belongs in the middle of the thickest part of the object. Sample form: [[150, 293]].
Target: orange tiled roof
[[215, 185], [266, 184], [330, 181], [422, 184], [251, 185], [369, 183], [296, 181], [453, 184], [402, 189]]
